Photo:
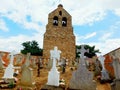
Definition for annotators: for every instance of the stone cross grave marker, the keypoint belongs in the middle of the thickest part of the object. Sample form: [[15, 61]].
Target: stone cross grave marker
[[55, 55], [82, 79], [104, 72], [54, 75], [9, 71], [82, 51]]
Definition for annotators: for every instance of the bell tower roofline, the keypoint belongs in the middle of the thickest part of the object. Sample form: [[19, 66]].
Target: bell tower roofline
[[60, 5]]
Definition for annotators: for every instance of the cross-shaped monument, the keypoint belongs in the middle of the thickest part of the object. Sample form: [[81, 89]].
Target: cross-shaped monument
[[82, 51], [10, 69], [82, 78], [55, 55], [53, 77]]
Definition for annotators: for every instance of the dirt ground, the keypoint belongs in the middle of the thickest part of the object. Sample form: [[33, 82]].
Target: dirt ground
[[42, 79]]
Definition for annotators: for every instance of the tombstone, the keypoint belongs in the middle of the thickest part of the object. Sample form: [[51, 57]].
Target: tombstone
[[104, 72], [98, 68], [18, 59], [27, 75], [33, 62], [54, 75], [9, 71], [63, 65], [116, 66], [82, 79], [39, 65], [1, 62], [27, 62]]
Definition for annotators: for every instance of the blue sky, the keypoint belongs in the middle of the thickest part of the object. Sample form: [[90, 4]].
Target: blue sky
[[94, 23]]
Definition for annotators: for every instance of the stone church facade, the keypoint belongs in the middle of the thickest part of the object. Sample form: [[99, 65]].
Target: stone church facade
[[59, 32]]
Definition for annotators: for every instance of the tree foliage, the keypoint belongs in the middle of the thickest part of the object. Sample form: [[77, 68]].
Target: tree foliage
[[31, 47], [92, 51]]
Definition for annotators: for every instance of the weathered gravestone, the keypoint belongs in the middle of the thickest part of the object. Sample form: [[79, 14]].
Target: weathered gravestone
[[26, 77], [98, 68], [116, 66], [63, 65], [19, 58], [1, 62], [104, 73], [27, 82], [54, 75], [8, 74], [82, 79], [33, 62]]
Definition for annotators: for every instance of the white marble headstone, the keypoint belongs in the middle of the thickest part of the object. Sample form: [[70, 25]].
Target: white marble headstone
[[9, 71], [54, 75]]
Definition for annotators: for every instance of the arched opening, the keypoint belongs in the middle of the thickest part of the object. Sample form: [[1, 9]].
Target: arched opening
[[55, 21], [64, 21]]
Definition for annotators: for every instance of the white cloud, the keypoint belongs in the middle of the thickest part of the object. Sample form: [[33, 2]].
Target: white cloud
[[105, 35], [14, 42], [111, 31], [90, 35], [82, 12], [117, 11], [87, 36], [88, 12], [107, 45]]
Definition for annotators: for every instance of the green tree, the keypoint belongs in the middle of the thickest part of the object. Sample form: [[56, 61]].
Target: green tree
[[31, 47], [92, 51]]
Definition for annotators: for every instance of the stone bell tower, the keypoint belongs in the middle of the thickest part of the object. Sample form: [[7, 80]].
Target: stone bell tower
[[59, 32]]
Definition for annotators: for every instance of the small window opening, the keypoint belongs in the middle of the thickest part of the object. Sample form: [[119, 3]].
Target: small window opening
[[60, 13]]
